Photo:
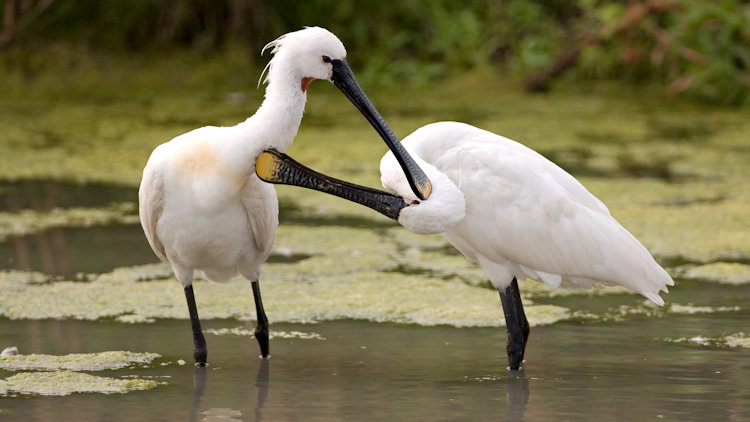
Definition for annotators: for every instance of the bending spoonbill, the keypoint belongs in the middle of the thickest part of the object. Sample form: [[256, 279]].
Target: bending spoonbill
[[201, 204], [504, 206]]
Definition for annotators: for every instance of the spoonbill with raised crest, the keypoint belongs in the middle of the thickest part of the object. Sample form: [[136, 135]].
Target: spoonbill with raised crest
[[201, 204]]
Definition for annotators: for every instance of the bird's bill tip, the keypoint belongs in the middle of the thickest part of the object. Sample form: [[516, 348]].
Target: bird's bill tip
[[424, 186], [343, 78]]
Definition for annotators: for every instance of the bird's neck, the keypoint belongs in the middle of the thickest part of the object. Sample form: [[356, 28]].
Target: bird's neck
[[281, 113], [273, 126]]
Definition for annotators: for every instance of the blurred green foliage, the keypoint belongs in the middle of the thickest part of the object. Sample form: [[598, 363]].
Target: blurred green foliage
[[699, 47], [696, 46]]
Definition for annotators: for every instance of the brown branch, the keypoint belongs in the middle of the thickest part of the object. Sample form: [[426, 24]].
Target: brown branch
[[633, 16], [540, 81]]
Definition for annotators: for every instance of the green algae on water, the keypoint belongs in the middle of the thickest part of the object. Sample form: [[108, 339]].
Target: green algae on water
[[76, 362], [239, 331], [28, 221], [650, 309], [11, 278], [63, 383], [739, 340], [689, 309], [720, 272], [336, 294]]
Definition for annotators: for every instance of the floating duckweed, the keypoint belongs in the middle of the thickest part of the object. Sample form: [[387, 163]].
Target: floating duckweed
[[335, 241], [10, 278], [147, 272], [222, 414], [239, 331], [134, 319], [30, 221], [689, 309], [650, 309], [391, 297], [367, 294], [722, 272], [738, 340], [733, 340], [75, 362], [698, 231], [623, 312], [408, 239], [534, 289], [63, 383]]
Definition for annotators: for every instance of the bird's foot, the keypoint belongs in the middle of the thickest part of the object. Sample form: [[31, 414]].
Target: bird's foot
[[200, 355], [515, 355]]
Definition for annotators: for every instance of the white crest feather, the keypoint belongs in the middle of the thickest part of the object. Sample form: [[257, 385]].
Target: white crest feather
[[274, 46]]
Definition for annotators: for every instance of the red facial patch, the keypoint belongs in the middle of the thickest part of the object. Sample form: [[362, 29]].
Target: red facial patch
[[305, 83]]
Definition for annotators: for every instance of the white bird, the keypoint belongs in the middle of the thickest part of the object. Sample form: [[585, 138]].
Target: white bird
[[506, 207], [201, 203]]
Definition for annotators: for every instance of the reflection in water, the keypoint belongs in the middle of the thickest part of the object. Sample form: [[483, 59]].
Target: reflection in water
[[72, 252], [200, 377], [261, 384], [199, 386], [64, 251], [45, 251], [676, 381], [517, 396], [45, 195], [221, 414]]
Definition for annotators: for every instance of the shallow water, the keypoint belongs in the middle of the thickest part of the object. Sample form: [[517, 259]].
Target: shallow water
[[72, 252], [368, 371], [614, 357], [675, 174]]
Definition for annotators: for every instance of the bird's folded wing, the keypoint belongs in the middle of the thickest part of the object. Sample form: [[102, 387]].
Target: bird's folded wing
[[150, 198]]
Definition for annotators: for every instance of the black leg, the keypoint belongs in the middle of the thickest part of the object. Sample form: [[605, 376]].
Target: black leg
[[520, 314], [261, 330], [199, 342], [516, 323]]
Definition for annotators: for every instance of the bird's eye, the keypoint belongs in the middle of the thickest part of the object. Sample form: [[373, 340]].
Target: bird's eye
[[326, 59]]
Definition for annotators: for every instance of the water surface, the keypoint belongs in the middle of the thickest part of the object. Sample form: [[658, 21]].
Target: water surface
[[674, 174], [368, 371]]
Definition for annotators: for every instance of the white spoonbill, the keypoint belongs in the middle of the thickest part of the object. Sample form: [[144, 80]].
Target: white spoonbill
[[201, 204], [504, 206]]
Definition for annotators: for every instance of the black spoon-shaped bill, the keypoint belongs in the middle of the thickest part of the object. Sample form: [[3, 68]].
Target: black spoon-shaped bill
[[275, 167], [344, 80]]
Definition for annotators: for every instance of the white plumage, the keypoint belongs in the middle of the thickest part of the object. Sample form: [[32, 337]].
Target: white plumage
[[504, 206], [517, 214], [202, 206]]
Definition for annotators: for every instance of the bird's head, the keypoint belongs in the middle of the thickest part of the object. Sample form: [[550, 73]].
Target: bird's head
[[315, 53], [439, 213], [307, 54]]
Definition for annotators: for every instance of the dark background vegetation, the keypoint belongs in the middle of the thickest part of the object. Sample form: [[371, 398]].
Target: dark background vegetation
[[698, 48]]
